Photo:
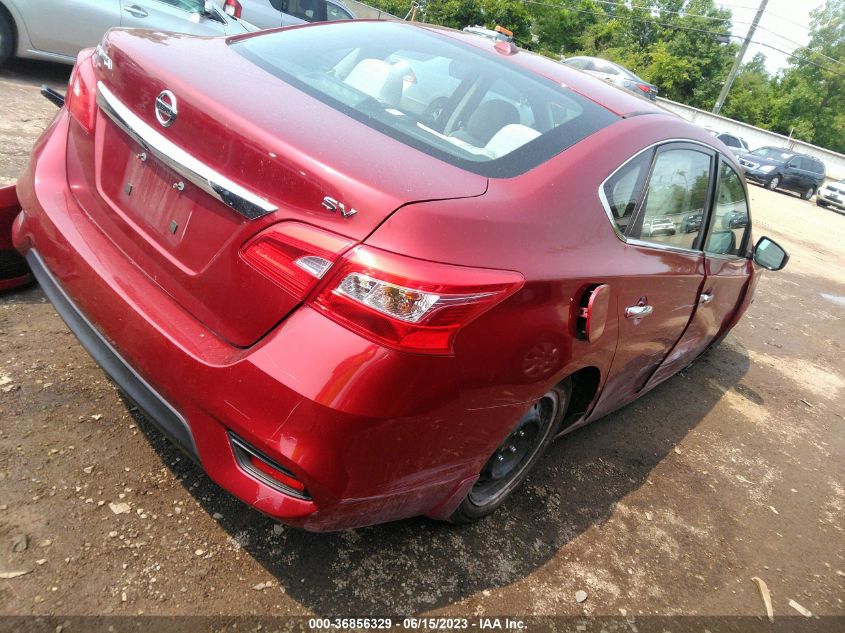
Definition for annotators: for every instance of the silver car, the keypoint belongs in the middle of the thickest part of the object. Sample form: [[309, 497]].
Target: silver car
[[56, 30], [615, 74], [267, 14]]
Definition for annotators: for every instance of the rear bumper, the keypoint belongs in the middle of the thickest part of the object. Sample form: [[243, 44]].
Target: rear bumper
[[151, 403], [374, 435]]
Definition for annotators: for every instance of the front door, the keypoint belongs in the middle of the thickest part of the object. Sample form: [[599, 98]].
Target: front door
[[664, 268], [727, 273]]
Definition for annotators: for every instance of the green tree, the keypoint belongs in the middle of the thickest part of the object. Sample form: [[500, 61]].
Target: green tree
[[809, 98], [750, 98]]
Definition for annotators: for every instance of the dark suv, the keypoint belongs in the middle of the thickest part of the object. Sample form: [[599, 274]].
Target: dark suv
[[777, 167]]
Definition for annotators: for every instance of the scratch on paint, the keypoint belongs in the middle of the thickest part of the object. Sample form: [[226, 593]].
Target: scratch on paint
[[279, 428]]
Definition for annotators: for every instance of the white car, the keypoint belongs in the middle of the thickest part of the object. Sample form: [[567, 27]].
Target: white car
[[267, 14], [58, 30], [832, 195]]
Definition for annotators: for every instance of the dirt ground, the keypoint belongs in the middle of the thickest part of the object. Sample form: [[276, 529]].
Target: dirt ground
[[731, 470]]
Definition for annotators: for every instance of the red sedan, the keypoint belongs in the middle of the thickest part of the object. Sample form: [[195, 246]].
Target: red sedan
[[364, 271]]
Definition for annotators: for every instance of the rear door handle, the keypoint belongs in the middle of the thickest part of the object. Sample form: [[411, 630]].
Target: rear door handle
[[705, 298], [134, 9], [638, 311]]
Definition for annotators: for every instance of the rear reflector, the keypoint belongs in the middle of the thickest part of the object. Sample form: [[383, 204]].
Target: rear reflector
[[410, 304], [258, 465], [294, 255]]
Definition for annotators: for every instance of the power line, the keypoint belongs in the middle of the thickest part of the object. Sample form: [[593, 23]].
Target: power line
[[769, 13], [688, 28]]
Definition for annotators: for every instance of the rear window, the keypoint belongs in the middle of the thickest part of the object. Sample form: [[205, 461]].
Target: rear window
[[467, 107]]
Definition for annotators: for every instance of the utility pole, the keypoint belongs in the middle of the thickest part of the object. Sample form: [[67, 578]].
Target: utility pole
[[738, 61]]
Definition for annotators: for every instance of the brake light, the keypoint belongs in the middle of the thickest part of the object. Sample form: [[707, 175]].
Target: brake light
[[233, 8], [410, 304], [81, 99], [294, 255], [644, 88]]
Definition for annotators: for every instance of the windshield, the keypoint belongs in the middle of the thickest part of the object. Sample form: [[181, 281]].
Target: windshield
[[467, 107], [772, 153]]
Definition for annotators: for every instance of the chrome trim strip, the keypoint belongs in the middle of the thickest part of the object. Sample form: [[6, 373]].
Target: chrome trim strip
[[244, 202]]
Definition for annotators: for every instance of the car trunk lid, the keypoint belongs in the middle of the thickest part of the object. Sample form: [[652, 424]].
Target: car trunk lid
[[243, 151]]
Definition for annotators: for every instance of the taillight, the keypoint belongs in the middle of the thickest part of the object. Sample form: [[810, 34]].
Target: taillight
[[233, 8], [644, 88], [81, 99], [294, 255], [410, 304]]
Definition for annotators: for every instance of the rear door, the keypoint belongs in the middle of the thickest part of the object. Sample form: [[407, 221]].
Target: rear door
[[664, 273], [64, 28], [727, 273]]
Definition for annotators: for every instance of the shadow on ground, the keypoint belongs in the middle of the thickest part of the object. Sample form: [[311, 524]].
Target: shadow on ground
[[37, 72], [417, 564]]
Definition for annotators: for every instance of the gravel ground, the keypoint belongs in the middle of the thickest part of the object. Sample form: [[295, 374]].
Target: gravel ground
[[731, 470]]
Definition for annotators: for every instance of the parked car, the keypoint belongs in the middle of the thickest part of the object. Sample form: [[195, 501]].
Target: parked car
[[780, 168], [615, 74], [267, 14], [348, 316], [658, 226], [13, 269], [736, 144], [57, 31], [692, 222], [498, 34], [832, 195], [735, 219]]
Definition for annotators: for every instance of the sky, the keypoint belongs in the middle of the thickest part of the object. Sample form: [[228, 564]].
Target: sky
[[773, 28]]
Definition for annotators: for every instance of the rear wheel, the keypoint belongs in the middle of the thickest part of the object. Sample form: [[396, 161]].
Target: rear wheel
[[773, 184], [515, 456], [808, 193], [7, 36]]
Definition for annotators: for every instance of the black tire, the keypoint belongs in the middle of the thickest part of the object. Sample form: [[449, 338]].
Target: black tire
[[773, 184], [819, 203], [806, 195], [516, 456], [7, 36]]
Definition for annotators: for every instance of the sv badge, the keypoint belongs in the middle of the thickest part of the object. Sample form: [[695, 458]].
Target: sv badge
[[333, 205]]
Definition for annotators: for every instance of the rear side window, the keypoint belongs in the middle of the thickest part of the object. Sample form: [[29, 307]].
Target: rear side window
[[675, 199], [334, 12], [729, 224], [356, 68], [623, 189], [308, 10]]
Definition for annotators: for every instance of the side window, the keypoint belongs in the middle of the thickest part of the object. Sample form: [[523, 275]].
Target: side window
[[334, 12], [730, 215], [673, 207], [622, 190], [308, 10]]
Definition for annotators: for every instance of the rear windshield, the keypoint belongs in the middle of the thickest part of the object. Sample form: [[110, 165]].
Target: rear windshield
[[470, 108]]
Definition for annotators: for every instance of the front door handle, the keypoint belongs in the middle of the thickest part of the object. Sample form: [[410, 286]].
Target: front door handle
[[705, 298], [134, 9], [638, 311]]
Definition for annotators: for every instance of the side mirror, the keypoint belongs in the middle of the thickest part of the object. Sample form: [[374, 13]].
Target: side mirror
[[769, 254]]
